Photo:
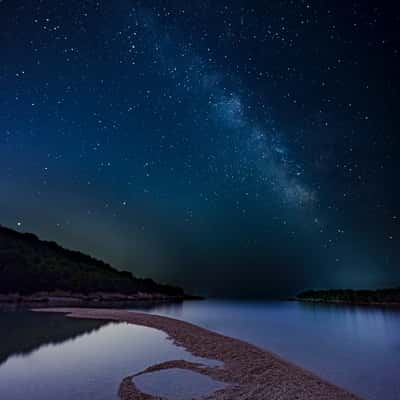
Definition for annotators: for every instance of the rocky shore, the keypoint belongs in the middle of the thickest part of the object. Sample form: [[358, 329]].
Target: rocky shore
[[250, 372]]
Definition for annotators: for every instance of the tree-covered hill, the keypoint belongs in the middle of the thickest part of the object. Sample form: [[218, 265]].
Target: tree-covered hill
[[379, 296], [29, 265]]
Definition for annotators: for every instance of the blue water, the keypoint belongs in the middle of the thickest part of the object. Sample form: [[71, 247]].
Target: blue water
[[51, 357], [357, 348], [177, 384]]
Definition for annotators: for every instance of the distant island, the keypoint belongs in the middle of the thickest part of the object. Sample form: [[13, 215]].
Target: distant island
[[349, 296], [37, 271]]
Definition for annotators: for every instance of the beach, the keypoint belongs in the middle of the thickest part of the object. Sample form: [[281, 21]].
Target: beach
[[248, 371]]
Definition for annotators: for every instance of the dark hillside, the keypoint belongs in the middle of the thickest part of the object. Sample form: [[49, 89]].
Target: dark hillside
[[29, 265]]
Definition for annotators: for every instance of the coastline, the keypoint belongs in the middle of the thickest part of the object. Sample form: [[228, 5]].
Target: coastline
[[91, 300], [347, 303], [249, 371]]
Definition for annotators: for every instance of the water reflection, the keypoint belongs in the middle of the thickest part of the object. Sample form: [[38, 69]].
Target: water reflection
[[50, 356], [22, 332], [357, 347], [54, 357], [177, 384]]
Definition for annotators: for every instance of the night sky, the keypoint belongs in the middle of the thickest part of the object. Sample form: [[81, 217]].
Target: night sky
[[238, 148]]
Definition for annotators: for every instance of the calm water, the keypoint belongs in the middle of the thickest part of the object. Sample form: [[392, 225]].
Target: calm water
[[48, 357], [177, 384], [355, 347], [53, 357]]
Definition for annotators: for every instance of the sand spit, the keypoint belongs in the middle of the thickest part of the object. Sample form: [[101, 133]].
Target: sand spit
[[251, 372]]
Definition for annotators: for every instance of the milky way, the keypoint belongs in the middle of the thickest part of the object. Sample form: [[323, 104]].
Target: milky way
[[240, 148]]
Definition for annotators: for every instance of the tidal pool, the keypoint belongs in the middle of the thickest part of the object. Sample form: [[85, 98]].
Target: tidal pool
[[177, 384]]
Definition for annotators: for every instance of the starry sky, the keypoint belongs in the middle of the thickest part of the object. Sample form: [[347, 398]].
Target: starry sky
[[235, 148]]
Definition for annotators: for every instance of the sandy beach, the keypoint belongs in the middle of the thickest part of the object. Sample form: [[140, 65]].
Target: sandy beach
[[250, 372]]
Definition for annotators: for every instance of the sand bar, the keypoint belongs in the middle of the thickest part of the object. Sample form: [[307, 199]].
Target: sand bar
[[251, 372]]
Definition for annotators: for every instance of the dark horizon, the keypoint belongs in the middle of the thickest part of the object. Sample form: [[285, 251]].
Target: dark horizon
[[236, 149], [251, 296]]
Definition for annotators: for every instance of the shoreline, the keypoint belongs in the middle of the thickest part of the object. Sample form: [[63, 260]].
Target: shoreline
[[91, 300], [347, 303], [249, 371]]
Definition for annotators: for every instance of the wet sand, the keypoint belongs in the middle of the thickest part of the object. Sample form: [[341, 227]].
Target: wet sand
[[250, 372]]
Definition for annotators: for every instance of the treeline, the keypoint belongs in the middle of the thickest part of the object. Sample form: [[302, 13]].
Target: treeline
[[379, 296], [29, 265]]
